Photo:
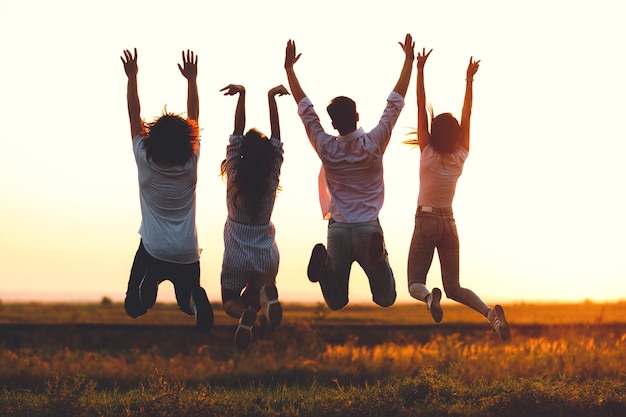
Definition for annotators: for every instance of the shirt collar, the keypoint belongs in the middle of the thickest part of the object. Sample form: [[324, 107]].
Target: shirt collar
[[351, 136]]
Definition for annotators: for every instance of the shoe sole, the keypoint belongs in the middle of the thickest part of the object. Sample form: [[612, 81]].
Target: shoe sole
[[316, 263], [503, 327], [435, 306], [271, 306], [199, 303], [243, 334]]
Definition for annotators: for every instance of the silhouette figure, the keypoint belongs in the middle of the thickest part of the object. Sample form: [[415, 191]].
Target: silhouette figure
[[251, 257], [351, 187], [166, 152], [444, 149]]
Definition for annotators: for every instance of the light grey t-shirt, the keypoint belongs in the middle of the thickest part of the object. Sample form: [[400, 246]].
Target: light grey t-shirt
[[439, 174], [167, 195]]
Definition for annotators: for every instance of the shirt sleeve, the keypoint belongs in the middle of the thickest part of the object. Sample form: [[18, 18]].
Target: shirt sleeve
[[381, 134], [314, 130], [233, 150]]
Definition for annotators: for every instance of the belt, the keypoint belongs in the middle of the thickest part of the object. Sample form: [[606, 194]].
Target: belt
[[436, 210]]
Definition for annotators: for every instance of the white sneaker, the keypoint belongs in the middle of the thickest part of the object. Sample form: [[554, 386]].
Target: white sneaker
[[243, 334], [498, 322], [270, 305], [432, 303]]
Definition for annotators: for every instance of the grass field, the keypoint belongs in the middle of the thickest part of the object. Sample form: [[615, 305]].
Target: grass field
[[92, 360]]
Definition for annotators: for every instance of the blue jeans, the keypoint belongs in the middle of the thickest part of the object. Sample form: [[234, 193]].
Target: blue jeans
[[438, 230], [349, 242]]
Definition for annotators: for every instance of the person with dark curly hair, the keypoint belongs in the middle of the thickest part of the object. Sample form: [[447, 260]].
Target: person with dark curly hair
[[166, 152], [251, 257], [444, 148]]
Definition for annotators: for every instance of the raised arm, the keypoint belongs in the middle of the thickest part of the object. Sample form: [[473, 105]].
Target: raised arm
[[240, 111], [189, 69], [290, 59], [423, 134], [271, 98], [132, 96], [472, 67], [405, 76]]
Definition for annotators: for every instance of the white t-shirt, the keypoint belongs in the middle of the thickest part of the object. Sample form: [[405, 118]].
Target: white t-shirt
[[167, 195], [439, 174]]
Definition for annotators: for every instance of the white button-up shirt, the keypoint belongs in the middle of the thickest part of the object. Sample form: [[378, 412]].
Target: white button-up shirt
[[351, 179]]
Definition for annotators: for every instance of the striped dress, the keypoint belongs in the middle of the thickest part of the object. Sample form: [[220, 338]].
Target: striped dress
[[250, 251]]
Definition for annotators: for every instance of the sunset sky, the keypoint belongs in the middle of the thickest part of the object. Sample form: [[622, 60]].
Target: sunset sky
[[540, 206]]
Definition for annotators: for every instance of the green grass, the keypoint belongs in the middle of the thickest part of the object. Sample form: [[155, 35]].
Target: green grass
[[91, 360]]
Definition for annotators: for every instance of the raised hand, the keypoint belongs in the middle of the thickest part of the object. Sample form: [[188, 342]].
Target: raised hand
[[279, 90], [421, 58], [233, 89], [189, 69], [408, 47], [290, 54], [472, 68], [130, 63]]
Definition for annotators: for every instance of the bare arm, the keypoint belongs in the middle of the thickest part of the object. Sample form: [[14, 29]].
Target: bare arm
[[132, 96], [472, 68], [271, 98], [290, 59], [423, 134], [189, 69], [405, 76], [240, 111]]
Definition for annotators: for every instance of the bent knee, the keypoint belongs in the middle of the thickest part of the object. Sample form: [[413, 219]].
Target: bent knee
[[386, 301]]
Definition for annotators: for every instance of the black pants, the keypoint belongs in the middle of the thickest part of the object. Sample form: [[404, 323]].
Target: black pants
[[185, 277]]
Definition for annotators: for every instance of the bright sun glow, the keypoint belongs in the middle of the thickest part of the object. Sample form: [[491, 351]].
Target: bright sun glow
[[539, 206]]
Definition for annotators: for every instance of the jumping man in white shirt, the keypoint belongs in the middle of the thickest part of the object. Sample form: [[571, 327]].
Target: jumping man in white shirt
[[351, 187]]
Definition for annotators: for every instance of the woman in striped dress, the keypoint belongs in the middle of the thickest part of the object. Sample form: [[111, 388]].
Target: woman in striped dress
[[251, 257]]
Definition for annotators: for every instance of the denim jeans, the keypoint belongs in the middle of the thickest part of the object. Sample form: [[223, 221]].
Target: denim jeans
[[438, 230], [349, 242]]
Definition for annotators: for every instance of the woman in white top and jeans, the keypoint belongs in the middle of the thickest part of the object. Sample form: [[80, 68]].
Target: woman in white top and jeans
[[444, 150]]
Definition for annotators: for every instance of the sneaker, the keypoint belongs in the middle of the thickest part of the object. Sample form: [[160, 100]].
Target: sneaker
[[199, 304], [132, 304], [270, 305], [498, 322], [377, 247], [317, 262], [432, 303], [148, 289], [243, 334]]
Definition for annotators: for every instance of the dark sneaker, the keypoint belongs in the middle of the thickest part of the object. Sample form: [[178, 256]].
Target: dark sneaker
[[498, 322], [199, 303], [317, 262], [433, 304], [377, 247], [148, 289], [132, 304], [243, 334], [270, 305]]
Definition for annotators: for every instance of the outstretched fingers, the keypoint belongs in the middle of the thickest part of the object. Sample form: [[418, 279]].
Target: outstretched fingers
[[422, 57], [472, 67], [291, 57], [129, 60], [408, 46]]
